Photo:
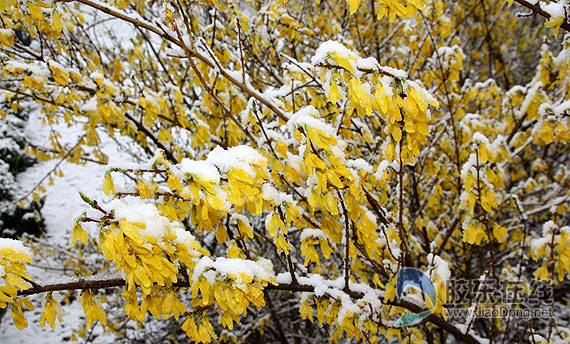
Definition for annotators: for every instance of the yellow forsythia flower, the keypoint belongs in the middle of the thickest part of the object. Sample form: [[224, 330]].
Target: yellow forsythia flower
[[13, 255], [92, 309], [51, 310]]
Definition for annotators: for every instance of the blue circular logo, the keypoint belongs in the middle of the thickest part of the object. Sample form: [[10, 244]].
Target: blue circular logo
[[416, 278]]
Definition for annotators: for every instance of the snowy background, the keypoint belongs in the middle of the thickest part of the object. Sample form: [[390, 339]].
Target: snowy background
[[62, 205], [62, 201]]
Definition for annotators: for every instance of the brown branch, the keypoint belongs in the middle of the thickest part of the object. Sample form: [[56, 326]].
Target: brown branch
[[376, 207], [125, 170], [347, 243], [34, 96], [516, 128], [94, 283], [79, 283], [363, 70], [152, 137], [447, 235]]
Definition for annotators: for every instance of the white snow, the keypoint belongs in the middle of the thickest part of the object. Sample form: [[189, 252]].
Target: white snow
[[155, 225], [90, 105], [441, 267], [271, 194], [234, 267], [312, 233], [397, 73], [14, 245], [240, 157], [329, 47], [201, 168], [309, 116], [361, 165], [556, 10], [480, 138]]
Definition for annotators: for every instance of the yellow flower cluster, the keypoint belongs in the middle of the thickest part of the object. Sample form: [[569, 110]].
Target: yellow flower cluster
[[407, 120], [92, 309], [349, 323], [6, 38], [244, 189], [51, 310], [392, 8], [553, 130], [554, 246], [39, 14], [151, 262], [401, 104], [479, 178], [225, 284], [366, 232], [323, 158], [18, 312], [203, 197], [475, 231], [203, 332], [309, 245], [331, 179], [13, 255]]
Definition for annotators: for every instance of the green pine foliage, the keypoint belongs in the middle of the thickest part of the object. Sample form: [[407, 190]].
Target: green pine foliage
[[16, 220]]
